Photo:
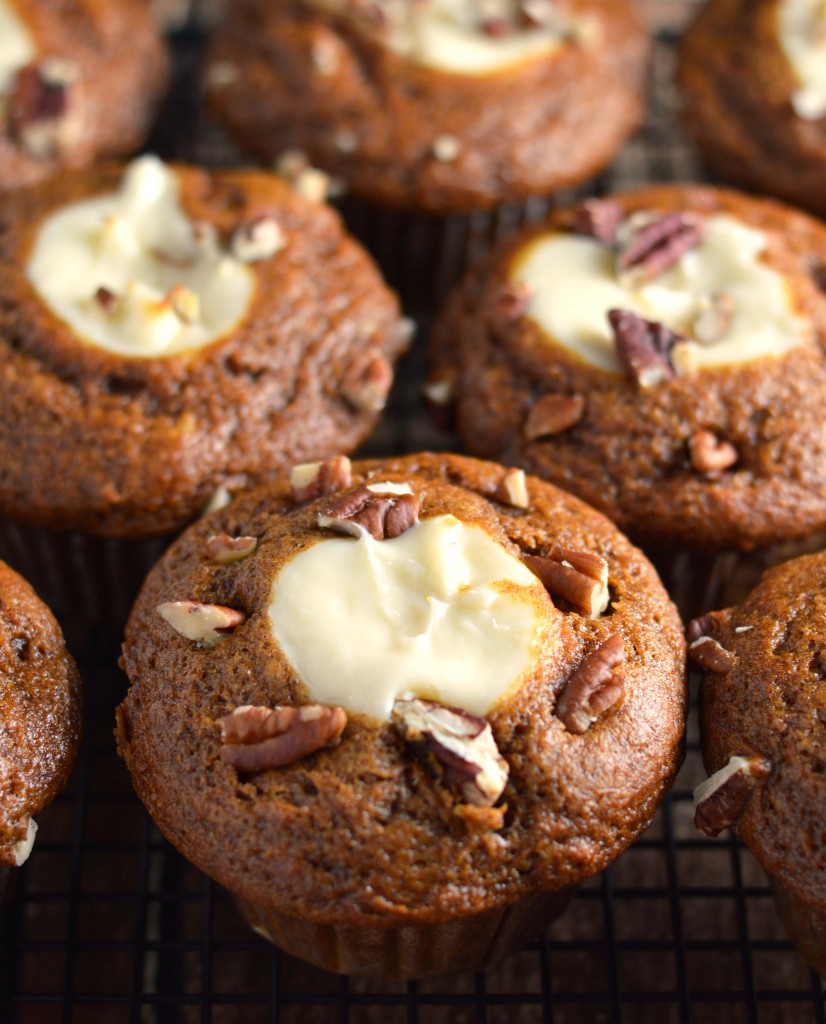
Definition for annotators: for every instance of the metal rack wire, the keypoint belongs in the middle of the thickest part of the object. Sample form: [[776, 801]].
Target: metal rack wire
[[111, 925]]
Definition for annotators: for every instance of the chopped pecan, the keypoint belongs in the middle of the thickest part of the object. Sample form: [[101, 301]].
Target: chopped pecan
[[312, 480], [553, 414], [106, 299], [258, 239], [513, 489], [225, 549], [40, 107], [383, 516], [713, 321], [593, 688], [367, 381], [461, 744], [513, 298], [599, 219], [709, 455], [578, 577], [185, 304], [704, 625], [710, 655], [256, 738], [657, 244], [207, 624], [307, 181], [219, 499], [643, 346], [722, 798]]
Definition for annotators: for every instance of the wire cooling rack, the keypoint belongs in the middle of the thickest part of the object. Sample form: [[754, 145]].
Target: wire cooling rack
[[109, 924]]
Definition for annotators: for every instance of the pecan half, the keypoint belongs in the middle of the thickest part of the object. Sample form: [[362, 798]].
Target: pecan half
[[552, 415], [578, 577], [656, 245], [40, 107], [643, 347], [710, 655], [722, 798], [367, 381], [383, 516], [513, 299], [224, 549], [257, 240], [513, 489], [206, 624], [599, 219], [312, 480], [256, 738], [593, 688], [461, 744], [709, 455]]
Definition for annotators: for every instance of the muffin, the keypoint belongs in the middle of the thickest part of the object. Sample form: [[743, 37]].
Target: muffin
[[660, 354], [439, 106], [40, 710], [401, 749], [169, 332], [79, 81], [763, 711], [754, 87]]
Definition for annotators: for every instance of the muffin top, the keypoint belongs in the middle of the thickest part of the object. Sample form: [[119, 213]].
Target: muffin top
[[500, 671], [166, 331], [79, 81], [434, 105], [765, 707], [659, 353], [40, 709]]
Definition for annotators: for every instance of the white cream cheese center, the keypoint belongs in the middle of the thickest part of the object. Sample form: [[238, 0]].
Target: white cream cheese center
[[172, 290], [442, 612], [574, 285], [17, 46], [802, 33]]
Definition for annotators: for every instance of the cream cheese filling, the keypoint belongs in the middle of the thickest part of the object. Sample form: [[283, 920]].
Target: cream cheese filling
[[441, 612], [801, 27], [17, 46], [573, 284], [131, 274]]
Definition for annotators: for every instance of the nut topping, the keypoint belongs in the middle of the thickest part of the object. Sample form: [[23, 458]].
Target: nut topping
[[257, 240], [383, 516], [593, 688], [219, 499], [514, 298], [206, 624], [40, 107], [312, 480], [553, 414], [713, 321], [710, 455], [643, 347], [657, 244], [367, 381], [225, 549], [710, 655], [578, 577], [722, 798], [257, 738], [512, 489], [446, 148], [307, 181], [704, 625], [461, 745], [598, 219]]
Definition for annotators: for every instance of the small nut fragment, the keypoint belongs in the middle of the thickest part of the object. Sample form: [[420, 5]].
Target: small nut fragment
[[552, 415], [106, 299], [710, 455], [599, 219], [225, 549], [312, 480], [440, 397], [710, 655], [513, 489], [307, 181], [367, 381], [446, 148], [657, 244], [363, 511], [713, 321], [461, 745], [257, 738], [206, 624], [593, 688], [259, 239], [643, 347], [219, 499], [514, 298], [722, 798], [578, 577]]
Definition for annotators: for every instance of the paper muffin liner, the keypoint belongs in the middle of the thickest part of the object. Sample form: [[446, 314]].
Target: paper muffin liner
[[469, 943], [806, 925]]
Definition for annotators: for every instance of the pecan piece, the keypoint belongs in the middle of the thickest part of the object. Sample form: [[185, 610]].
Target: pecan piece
[[306, 181], [383, 516], [710, 655], [709, 455], [643, 347], [553, 414], [593, 688], [258, 239], [585, 592], [657, 244], [599, 219], [513, 489], [225, 549], [704, 625], [106, 299], [256, 738], [40, 107], [713, 321], [312, 480], [461, 744], [206, 624], [513, 299], [446, 148], [367, 381], [722, 798]]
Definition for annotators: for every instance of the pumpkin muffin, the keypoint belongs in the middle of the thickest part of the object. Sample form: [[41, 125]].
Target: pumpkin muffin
[[400, 708], [763, 719], [79, 81], [753, 77]]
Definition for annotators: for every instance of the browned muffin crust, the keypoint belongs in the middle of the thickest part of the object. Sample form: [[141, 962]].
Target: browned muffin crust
[[117, 73], [40, 709], [629, 454], [360, 834], [528, 130], [772, 704], [737, 85], [135, 446]]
